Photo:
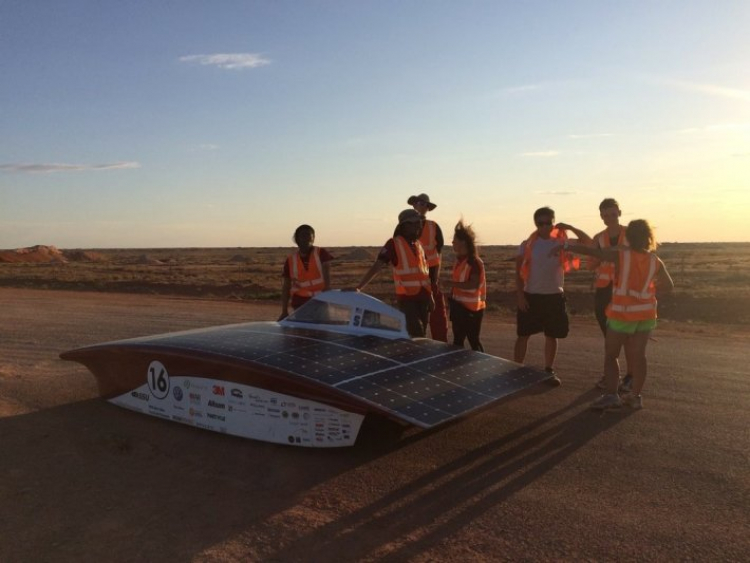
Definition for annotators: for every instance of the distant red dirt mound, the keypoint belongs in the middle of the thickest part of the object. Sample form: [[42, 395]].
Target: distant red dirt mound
[[83, 256], [34, 254]]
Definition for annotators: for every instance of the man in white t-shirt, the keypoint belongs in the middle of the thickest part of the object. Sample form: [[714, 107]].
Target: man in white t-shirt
[[539, 282]]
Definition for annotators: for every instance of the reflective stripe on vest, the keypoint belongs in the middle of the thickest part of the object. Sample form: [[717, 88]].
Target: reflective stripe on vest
[[309, 281], [472, 299], [567, 260], [605, 271], [428, 240], [634, 296], [411, 273]]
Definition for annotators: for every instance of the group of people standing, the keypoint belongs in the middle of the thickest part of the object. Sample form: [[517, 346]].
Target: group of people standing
[[415, 253], [627, 273]]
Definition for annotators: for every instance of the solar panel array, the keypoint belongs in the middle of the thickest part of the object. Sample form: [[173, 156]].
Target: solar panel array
[[421, 381]]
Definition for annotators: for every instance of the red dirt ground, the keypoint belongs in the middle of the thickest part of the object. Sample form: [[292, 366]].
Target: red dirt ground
[[537, 477]]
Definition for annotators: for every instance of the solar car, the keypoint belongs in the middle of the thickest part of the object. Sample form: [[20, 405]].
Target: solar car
[[309, 380]]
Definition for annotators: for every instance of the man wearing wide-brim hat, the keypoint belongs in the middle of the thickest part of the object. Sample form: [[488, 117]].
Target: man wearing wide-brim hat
[[411, 274], [432, 242]]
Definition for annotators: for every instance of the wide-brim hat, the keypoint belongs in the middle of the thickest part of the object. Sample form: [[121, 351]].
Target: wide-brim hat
[[409, 216], [421, 197]]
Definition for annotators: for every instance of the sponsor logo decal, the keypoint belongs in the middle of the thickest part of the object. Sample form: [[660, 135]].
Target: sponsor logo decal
[[195, 413], [177, 392], [236, 393], [195, 398], [218, 390], [216, 416], [140, 396], [216, 405]]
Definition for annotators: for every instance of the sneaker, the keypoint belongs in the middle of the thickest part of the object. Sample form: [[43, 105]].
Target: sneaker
[[632, 400], [626, 384], [608, 401], [602, 383], [554, 381]]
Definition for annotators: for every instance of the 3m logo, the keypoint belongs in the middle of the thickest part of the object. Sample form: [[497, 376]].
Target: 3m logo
[[218, 390]]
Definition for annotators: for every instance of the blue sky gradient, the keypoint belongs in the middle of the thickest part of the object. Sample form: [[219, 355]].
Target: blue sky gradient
[[147, 124]]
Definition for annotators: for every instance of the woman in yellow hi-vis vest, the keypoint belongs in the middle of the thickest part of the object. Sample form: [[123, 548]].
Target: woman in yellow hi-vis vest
[[631, 315], [468, 286]]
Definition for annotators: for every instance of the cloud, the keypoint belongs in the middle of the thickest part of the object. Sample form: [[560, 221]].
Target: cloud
[[714, 127], [708, 89], [540, 154], [229, 61], [590, 135], [58, 167]]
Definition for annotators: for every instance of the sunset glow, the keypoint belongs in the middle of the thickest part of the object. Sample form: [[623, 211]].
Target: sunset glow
[[204, 124]]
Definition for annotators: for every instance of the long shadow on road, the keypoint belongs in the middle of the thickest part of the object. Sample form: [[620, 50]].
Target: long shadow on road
[[419, 515], [90, 481]]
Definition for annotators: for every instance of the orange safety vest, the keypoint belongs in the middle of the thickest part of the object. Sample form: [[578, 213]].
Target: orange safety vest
[[472, 299], [309, 281], [567, 260], [428, 240], [411, 274], [634, 296], [605, 271]]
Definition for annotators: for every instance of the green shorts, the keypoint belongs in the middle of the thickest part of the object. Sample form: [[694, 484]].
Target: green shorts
[[631, 327]]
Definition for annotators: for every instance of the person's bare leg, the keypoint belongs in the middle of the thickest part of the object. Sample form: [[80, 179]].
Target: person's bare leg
[[613, 343], [628, 363], [550, 351], [635, 351], [519, 350]]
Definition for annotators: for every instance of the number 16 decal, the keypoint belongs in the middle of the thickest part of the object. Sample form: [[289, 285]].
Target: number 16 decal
[[158, 380]]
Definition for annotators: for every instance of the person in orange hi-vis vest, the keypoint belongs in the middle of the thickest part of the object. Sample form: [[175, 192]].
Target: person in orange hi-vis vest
[[432, 242], [468, 286], [539, 287], [306, 272], [631, 315], [411, 276], [604, 272]]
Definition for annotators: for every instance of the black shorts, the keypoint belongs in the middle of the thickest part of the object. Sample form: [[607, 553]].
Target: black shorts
[[546, 313]]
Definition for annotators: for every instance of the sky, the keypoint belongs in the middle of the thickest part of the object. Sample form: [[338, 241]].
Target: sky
[[219, 124]]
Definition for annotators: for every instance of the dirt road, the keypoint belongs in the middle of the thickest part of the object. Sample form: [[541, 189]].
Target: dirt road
[[538, 477]]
